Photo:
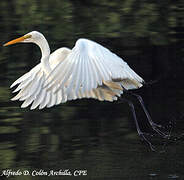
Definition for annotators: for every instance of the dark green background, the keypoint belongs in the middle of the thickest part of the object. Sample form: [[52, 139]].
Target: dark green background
[[86, 134]]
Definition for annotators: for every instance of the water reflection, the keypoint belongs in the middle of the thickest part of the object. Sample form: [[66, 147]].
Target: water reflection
[[86, 134]]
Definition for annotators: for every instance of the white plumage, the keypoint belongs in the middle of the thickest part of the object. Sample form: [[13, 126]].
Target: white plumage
[[89, 70]]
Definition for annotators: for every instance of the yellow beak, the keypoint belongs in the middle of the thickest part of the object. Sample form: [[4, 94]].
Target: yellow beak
[[17, 40]]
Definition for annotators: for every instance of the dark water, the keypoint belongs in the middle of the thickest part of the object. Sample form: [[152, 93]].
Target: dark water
[[97, 137]]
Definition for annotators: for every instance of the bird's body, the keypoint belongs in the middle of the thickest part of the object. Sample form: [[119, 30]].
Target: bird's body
[[89, 70]]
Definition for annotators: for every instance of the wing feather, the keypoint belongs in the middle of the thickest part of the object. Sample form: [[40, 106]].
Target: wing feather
[[72, 84], [88, 70], [33, 88], [78, 82], [94, 74], [82, 79], [26, 76], [58, 76], [23, 83], [88, 65], [45, 100], [39, 99], [59, 97], [90, 76]]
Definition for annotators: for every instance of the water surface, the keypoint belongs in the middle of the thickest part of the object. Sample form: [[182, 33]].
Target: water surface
[[99, 137]]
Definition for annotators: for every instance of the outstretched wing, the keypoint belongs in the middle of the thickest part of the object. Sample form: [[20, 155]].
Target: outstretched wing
[[30, 85], [31, 90], [87, 71], [86, 68]]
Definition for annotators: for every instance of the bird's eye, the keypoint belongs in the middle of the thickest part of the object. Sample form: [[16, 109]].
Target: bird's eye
[[27, 36]]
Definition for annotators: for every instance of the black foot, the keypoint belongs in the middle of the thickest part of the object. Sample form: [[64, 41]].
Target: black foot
[[143, 138], [156, 127]]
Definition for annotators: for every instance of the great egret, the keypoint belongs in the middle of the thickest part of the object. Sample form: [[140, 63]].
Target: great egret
[[89, 70]]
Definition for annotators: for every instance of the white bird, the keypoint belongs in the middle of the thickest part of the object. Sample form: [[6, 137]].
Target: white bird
[[89, 70]]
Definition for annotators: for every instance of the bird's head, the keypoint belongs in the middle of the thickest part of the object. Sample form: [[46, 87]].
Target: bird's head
[[31, 37]]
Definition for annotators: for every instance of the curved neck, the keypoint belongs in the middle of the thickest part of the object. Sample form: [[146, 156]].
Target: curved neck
[[45, 50]]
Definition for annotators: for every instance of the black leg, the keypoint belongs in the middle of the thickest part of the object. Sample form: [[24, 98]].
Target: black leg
[[151, 82], [153, 125], [140, 133]]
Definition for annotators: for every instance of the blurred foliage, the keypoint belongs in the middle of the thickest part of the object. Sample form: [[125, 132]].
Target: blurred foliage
[[7, 157], [63, 20], [41, 139], [4, 93]]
